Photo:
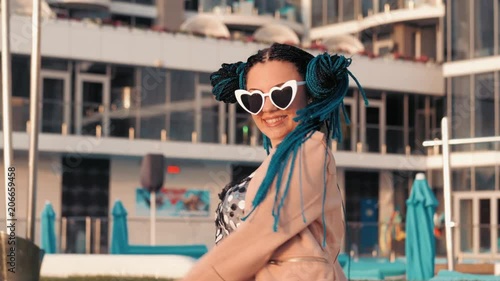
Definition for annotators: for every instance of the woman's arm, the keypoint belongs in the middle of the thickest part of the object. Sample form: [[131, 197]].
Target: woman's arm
[[243, 253]]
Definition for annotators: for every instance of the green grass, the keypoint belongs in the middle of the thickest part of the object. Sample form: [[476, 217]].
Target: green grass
[[104, 278]]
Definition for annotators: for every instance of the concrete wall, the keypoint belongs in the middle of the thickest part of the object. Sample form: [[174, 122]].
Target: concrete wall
[[123, 45], [124, 179], [49, 189]]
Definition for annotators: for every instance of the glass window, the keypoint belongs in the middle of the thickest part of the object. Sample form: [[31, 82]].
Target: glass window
[[485, 178], [204, 78], [92, 67], [54, 64], [122, 76], [20, 92], [288, 10], [394, 120], [484, 109], [393, 5], [367, 7], [266, 6], [191, 5], [484, 226], [461, 179], [332, 11], [92, 108], [348, 10], [182, 85], [438, 105], [498, 37], [210, 124], [125, 20], [182, 126], [460, 29], [461, 112], [151, 127], [20, 76], [78, 13], [153, 86], [143, 22], [362, 189], [317, 13], [444, 34], [123, 94], [243, 128], [428, 39], [373, 129], [53, 105], [145, 2], [483, 28], [416, 121], [120, 127], [498, 222], [1, 115], [347, 140], [465, 223]]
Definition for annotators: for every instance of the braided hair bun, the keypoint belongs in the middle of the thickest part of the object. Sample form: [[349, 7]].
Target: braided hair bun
[[325, 73], [226, 80]]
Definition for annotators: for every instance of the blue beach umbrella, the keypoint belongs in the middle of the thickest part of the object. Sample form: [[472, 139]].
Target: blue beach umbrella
[[420, 243], [119, 236], [48, 230]]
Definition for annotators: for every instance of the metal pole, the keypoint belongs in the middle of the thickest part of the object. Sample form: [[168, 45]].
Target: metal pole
[[88, 234], [34, 117], [153, 219], [7, 113], [463, 141], [447, 194], [64, 233], [97, 236]]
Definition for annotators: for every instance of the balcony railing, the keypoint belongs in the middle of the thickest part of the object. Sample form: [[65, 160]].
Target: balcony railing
[[177, 122], [277, 9]]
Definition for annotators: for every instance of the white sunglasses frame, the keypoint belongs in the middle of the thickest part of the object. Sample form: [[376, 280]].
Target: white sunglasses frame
[[290, 83]]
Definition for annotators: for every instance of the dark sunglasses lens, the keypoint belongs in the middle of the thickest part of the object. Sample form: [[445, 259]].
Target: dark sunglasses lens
[[283, 97], [252, 102]]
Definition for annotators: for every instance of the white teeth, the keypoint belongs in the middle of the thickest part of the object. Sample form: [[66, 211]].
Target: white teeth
[[274, 120]]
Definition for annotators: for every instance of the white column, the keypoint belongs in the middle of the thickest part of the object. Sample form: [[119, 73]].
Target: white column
[[385, 200], [232, 123], [439, 40], [197, 108], [306, 12]]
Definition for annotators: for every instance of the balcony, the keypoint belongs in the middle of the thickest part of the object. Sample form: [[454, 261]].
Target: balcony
[[367, 14], [172, 129], [248, 13], [82, 4]]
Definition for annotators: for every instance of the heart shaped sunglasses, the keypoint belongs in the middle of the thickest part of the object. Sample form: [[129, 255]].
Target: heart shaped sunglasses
[[281, 97]]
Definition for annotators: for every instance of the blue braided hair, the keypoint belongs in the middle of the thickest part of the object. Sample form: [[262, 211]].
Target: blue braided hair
[[229, 78], [327, 82]]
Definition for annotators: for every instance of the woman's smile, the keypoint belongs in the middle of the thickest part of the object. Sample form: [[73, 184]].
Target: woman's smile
[[274, 121]]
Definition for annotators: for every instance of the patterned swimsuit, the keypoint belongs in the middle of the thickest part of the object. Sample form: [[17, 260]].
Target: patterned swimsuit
[[231, 208]]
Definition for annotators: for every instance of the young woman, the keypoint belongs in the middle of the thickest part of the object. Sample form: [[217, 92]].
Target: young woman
[[285, 221]]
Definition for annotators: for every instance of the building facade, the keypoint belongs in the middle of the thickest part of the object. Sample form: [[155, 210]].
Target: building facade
[[124, 78], [472, 80]]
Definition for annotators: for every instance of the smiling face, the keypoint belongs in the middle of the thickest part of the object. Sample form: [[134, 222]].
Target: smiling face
[[271, 121]]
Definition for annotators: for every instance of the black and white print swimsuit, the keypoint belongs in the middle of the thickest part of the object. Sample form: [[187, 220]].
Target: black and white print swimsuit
[[231, 208]]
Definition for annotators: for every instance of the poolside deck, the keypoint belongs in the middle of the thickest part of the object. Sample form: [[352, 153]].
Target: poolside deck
[[471, 268]]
